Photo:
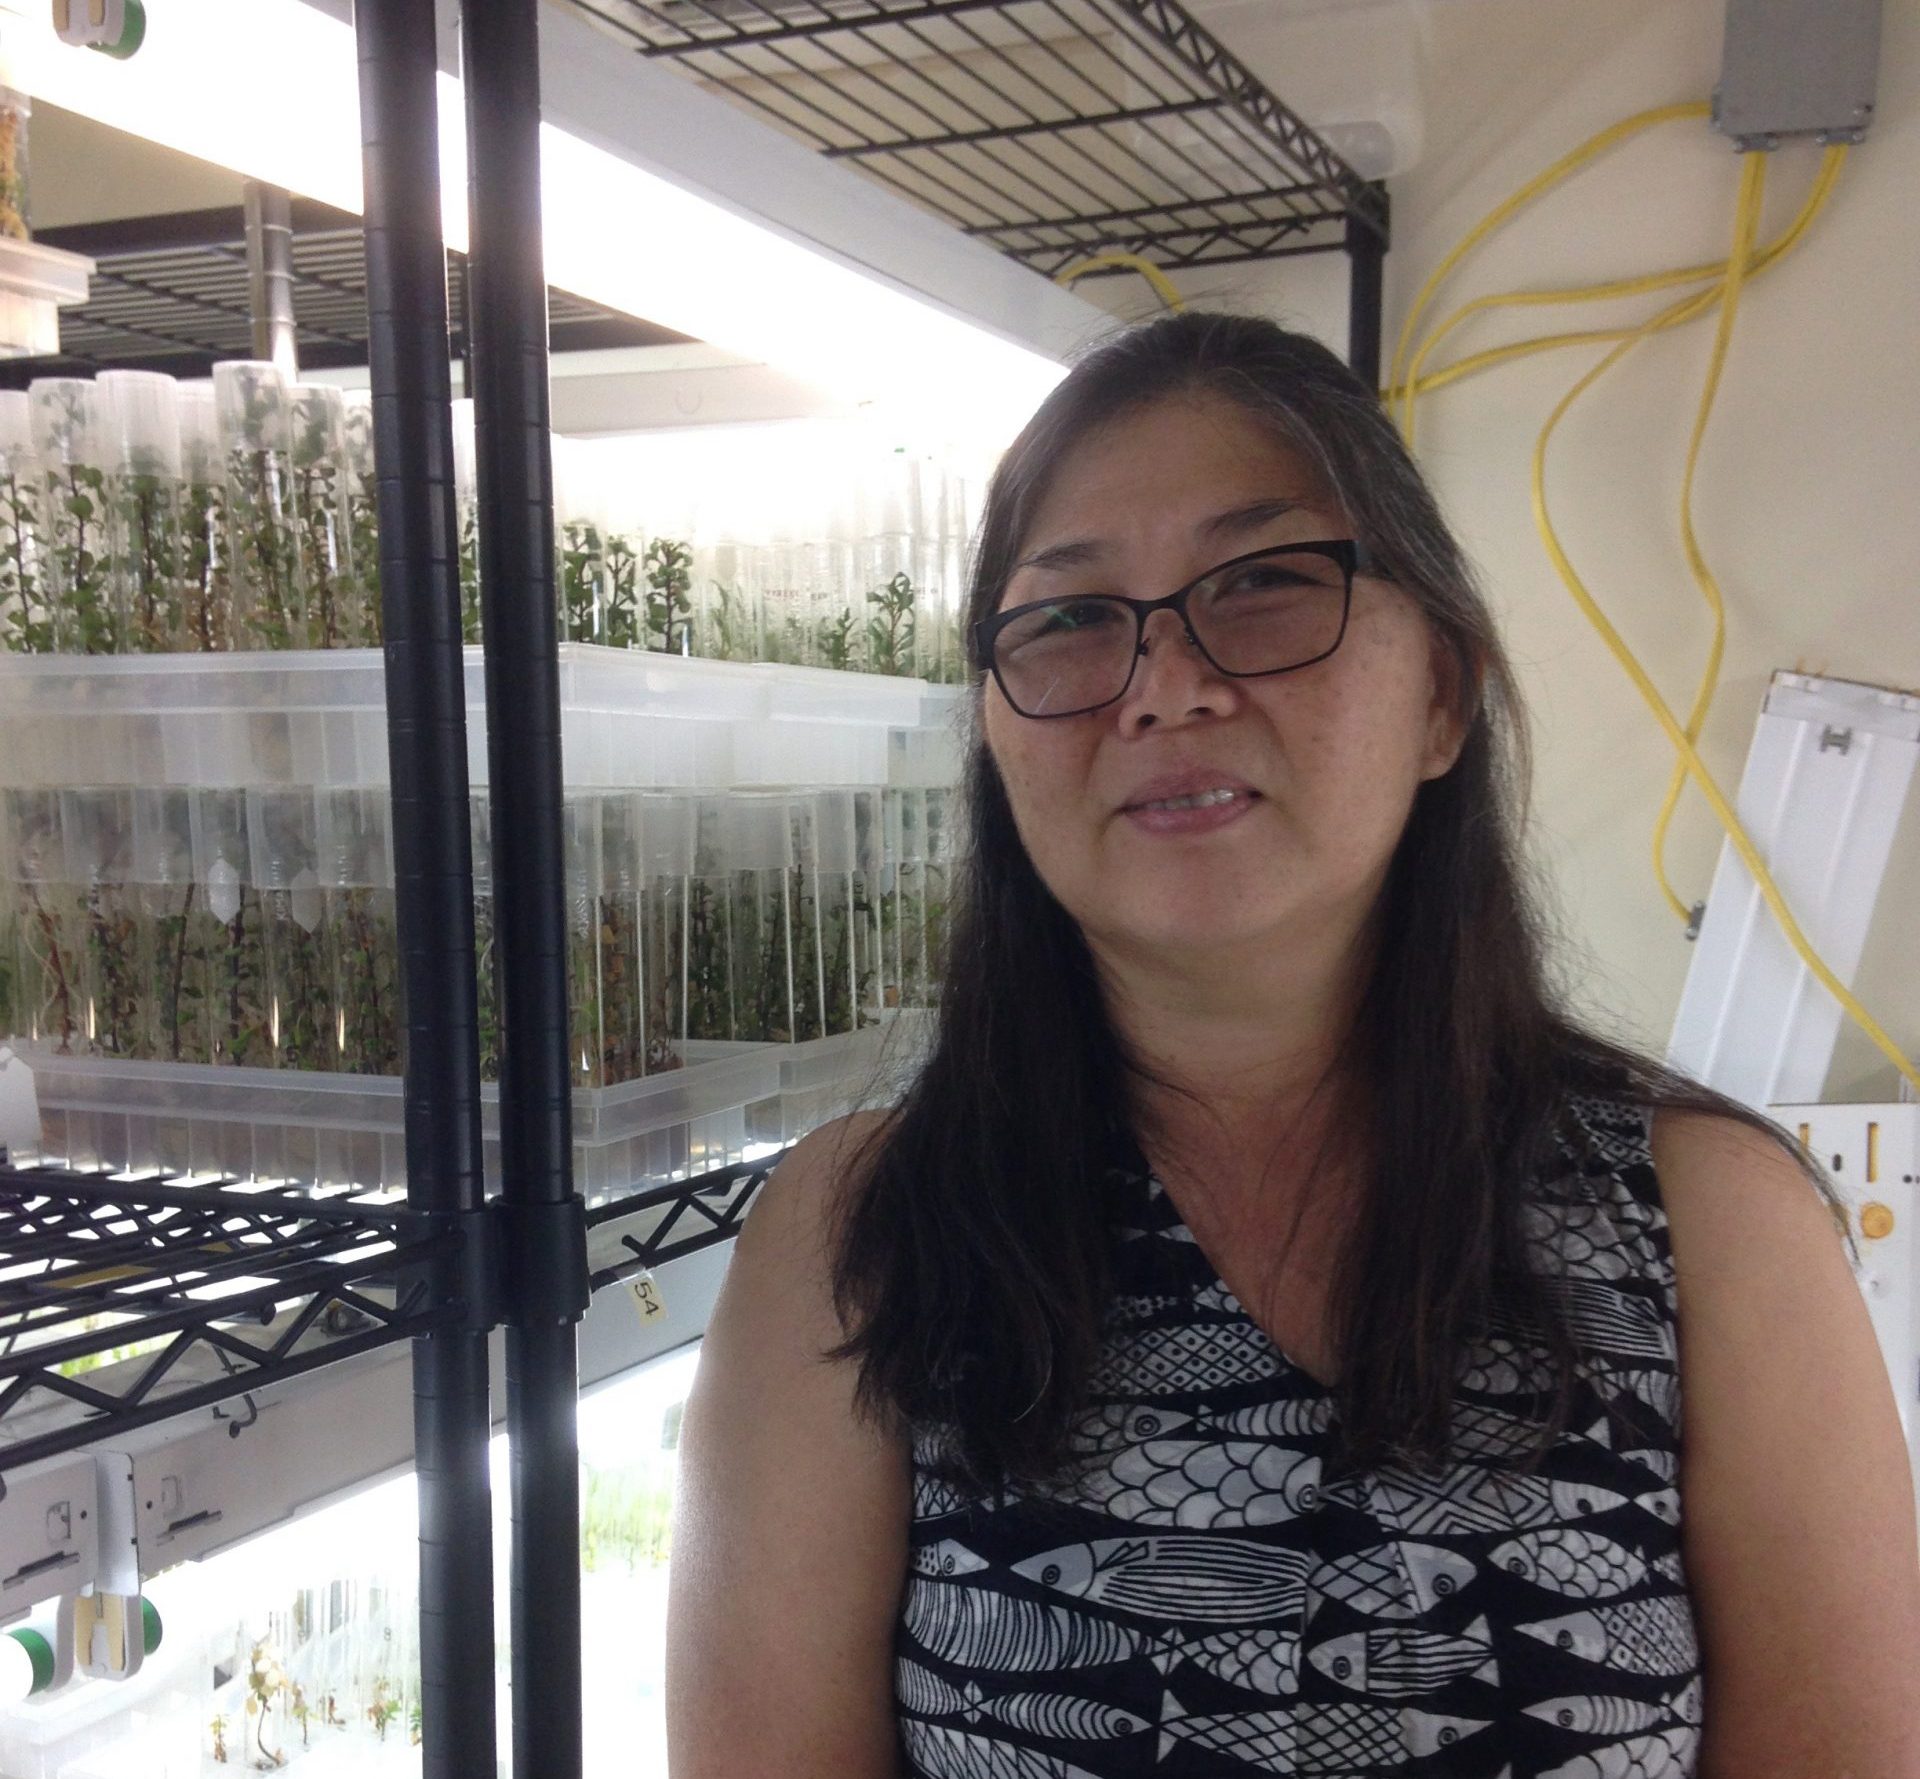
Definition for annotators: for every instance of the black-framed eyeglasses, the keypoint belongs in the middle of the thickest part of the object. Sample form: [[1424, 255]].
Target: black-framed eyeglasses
[[1269, 611]]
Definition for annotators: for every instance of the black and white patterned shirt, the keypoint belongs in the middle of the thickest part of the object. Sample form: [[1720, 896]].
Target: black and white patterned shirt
[[1194, 1602]]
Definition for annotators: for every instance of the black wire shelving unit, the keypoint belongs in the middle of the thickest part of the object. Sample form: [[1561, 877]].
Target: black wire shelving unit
[[1052, 130], [169, 293], [224, 1288], [264, 1284]]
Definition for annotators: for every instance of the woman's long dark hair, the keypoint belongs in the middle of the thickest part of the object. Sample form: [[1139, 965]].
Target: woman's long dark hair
[[972, 1253]]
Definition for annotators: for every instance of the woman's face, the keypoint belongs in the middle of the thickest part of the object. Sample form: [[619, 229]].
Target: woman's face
[[1323, 762]]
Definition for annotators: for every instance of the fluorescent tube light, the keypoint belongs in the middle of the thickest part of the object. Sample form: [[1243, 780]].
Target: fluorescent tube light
[[269, 88], [1826, 778]]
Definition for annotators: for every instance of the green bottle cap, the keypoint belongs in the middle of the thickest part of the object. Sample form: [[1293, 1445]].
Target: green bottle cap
[[40, 1653]]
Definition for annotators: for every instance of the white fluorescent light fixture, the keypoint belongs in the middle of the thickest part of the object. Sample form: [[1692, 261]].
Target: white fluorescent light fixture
[[1825, 781], [269, 88]]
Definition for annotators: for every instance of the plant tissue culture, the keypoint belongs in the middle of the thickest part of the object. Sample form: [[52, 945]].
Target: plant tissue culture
[[262, 543], [336, 614], [71, 430], [173, 989], [284, 847], [26, 620], [205, 566], [227, 924], [144, 483]]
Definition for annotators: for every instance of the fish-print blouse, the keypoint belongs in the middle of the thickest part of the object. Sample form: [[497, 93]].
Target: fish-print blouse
[[1194, 1602]]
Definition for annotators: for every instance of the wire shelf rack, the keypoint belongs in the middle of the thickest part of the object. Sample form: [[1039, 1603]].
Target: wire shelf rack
[[660, 1223], [169, 293], [1050, 129], [202, 1292], [128, 1300]]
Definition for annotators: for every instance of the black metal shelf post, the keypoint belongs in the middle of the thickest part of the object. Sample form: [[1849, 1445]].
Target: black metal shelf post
[[545, 1244], [433, 865]]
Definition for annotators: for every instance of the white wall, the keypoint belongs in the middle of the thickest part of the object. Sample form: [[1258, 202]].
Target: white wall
[[1805, 499]]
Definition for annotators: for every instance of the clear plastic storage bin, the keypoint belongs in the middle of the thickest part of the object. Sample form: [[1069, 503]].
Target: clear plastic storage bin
[[629, 720], [332, 1132]]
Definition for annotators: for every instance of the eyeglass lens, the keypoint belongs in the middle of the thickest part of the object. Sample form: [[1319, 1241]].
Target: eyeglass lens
[[1259, 616]]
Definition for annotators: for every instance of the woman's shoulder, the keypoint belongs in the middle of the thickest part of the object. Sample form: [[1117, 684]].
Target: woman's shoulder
[[784, 1252]]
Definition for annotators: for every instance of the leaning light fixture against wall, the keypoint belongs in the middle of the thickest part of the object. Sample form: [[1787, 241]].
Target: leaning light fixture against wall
[[268, 88], [1826, 778]]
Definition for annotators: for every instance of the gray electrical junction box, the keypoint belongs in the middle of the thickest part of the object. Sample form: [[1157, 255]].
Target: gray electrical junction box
[[1797, 68]]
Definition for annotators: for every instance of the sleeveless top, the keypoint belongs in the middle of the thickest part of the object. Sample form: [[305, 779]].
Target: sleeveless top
[[1193, 1602]]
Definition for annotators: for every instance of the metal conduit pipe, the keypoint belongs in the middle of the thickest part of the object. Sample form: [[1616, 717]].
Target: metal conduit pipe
[[269, 214], [545, 1225], [432, 864]]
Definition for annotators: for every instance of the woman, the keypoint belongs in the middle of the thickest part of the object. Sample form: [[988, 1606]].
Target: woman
[[1258, 1342]]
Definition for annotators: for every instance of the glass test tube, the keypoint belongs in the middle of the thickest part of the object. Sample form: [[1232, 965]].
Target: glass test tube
[[71, 435], [284, 845], [581, 821], [97, 832], [26, 620], [759, 845], [333, 600], [355, 869], [887, 567], [666, 833], [228, 926], [144, 501], [622, 1020], [363, 506], [709, 954], [175, 987], [262, 543], [208, 621], [48, 929]]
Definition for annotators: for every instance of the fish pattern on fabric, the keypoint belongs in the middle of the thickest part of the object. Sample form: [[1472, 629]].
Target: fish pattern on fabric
[[1190, 1599]]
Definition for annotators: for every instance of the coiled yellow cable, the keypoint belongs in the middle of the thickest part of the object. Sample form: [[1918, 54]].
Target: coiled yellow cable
[[1673, 316], [1541, 183], [1683, 741], [1753, 178], [1133, 262]]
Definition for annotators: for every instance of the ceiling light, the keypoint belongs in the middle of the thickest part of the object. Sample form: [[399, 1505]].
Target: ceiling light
[[269, 88]]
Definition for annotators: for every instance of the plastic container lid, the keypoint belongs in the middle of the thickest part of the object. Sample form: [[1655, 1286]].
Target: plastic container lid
[[70, 423], [282, 839], [16, 424], [162, 837], [317, 423], [34, 851], [144, 415], [357, 422], [97, 827], [834, 832], [666, 834], [250, 399], [199, 424], [353, 847], [758, 831]]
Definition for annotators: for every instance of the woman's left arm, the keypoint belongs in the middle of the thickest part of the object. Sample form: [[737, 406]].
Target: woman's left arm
[[1797, 1497]]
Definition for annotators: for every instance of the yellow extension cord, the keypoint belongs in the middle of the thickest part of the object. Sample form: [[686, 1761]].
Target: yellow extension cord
[[1067, 276], [1406, 383], [1537, 186]]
